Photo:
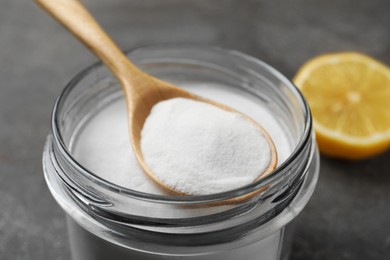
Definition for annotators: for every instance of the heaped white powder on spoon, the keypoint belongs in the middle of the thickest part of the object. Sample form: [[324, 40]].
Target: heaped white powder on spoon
[[198, 149]]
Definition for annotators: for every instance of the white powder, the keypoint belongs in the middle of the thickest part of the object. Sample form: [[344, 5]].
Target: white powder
[[103, 144], [197, 148]]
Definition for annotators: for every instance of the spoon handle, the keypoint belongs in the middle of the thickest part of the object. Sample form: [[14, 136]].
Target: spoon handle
[[76, 18]]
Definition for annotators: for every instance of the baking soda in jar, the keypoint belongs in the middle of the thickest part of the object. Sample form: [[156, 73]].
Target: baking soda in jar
[[115, 211]]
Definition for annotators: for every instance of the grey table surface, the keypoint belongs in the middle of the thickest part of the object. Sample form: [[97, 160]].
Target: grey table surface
[[348, 216]]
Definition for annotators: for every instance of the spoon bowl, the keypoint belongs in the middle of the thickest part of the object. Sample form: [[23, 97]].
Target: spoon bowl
[[142, 91]]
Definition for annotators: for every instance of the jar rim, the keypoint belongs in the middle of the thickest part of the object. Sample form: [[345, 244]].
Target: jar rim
[[262, 182]]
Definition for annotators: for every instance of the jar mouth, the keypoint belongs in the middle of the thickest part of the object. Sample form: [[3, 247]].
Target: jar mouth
[[195, 199]]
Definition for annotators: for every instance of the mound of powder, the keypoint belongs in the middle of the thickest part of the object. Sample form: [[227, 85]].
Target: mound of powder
[[200, 149]]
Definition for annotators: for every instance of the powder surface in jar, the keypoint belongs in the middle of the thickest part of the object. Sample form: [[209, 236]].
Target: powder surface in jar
[[197, 148]]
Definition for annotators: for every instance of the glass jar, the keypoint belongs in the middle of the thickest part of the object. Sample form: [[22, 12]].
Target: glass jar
[[106, 220]]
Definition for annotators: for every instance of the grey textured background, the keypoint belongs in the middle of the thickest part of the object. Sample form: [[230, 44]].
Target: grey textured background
[[349, 214]]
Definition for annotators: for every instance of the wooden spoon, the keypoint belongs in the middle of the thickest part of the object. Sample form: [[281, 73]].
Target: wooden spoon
[[142, 91]]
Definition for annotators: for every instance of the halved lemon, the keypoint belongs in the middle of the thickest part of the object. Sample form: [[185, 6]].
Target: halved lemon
[[349, 96]]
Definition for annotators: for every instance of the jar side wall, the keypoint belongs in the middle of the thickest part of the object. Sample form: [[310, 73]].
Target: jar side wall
[[87, 246], [111, 234]]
